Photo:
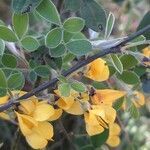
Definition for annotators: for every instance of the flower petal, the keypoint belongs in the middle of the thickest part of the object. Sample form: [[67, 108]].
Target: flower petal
[[26, 123], [75, 109], [113, 141], [42, 112], [98, 70], [44, 129], [5, 116], [36, 141], [114, 129], [27, 106], [93, 130], [139, 99], [107, 96], [4, 99], [65, 103], [56, 115]]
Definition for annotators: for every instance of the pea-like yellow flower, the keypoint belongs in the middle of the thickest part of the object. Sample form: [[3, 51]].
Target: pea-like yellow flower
[[106, 96], [146, 52], [97, 70], [138, 99], [33, 121], [72, 104], [114, 131], [98, 118]]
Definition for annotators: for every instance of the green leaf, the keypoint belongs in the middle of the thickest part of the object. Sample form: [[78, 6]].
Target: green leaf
[[58, 51], [62, 79], [78, 86], [32, 76], [2, 23], [118, 103], [138, 39], [15, 81], [140, 70], [74, 24], [100, 139], [54, 38], [99, 85], [134, 111], [109, 25], [20, 24], [3, 92], [129, 77], [116, 63], [78, 36], [30, 44], [24, 6], [145, 22], [48, 11], [9, 61], [79, 47], [2, 47], [128, 61], [67, 36], [3, 83], [64, 89], [7, 35], [42, 71], [72, 5], [93, 14]]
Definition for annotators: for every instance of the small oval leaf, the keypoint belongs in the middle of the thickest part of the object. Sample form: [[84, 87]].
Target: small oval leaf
[[9, 61], [7, 35], [79, 47], [54, 38], [116, 63], [74, 24], [20, 24], [78, 86], [64, 89], [58, 51], [129, 77], [48, 11], [30, 44]]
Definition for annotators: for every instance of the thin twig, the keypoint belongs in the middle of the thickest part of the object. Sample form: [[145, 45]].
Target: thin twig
[[114, 49]]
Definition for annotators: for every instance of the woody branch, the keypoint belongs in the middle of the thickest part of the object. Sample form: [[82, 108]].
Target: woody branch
[[113, 49]]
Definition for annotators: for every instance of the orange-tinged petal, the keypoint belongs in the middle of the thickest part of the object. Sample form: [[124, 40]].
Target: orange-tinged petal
[[65, 103], [58, 112], [43, 112], [75, 109], [93, 130], [5, 116], [139, 99], [106, 96], [26, 123], [4, 99], [36, 141], [98, 70], [44, 129], [113, 141]]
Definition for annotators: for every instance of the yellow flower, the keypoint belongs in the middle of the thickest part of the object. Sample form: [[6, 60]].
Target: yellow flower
[[4, 100], [106, 96], [138, 99], [98, 118], [72, 104], [33, 121], [146, 52], [114, 131], [97, 70]]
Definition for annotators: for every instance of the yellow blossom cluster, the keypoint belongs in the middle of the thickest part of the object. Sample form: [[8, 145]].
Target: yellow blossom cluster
[[34, 116]]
